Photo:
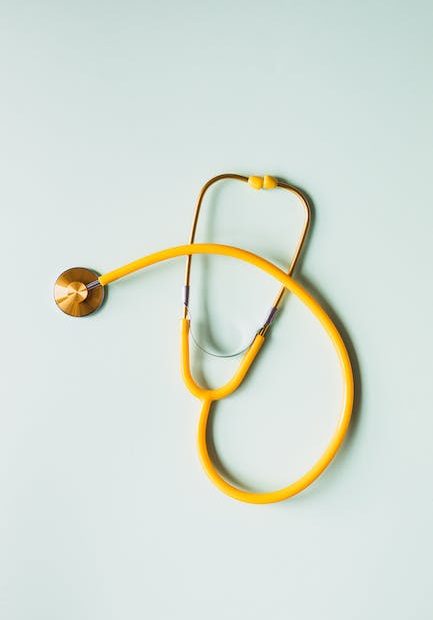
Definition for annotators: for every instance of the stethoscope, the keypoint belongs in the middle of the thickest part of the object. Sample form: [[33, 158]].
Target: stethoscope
[[80, 291]]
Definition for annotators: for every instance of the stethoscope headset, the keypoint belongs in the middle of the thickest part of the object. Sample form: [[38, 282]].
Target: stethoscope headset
[[80, 291]]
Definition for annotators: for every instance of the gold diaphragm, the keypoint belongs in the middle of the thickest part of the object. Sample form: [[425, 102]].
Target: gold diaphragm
[[77, 291]]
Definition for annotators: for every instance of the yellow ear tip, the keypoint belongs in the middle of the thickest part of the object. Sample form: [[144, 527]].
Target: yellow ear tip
[[255, 182], [269, 182]]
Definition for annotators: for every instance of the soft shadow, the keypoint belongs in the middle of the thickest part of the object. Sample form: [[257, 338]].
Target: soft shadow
[[344, 332], [215, 458]]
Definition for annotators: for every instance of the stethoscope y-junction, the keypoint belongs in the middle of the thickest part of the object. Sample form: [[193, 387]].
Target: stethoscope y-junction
[[80, 291]]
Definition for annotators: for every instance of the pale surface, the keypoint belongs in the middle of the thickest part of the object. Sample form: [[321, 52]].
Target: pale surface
[[112, 116]]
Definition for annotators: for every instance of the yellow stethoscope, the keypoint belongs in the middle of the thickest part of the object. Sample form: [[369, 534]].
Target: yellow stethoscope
[[80, 291]]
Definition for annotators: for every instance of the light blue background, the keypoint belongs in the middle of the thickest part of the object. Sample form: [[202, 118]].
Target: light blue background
[[112, 116]]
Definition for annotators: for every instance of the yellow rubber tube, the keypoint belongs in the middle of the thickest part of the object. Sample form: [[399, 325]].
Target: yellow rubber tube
[[207, 396], [230, 386]]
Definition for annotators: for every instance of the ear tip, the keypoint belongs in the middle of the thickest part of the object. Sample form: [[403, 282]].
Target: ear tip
[[269, 182], [255, 182]]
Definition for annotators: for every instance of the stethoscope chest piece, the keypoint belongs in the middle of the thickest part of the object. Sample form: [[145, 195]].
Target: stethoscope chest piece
[[77, 291]]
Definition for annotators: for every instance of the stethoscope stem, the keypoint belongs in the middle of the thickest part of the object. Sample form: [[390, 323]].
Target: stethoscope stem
[[256, 182]]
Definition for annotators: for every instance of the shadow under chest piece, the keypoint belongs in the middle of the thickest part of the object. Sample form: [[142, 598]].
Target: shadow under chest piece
[[79, 292]]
